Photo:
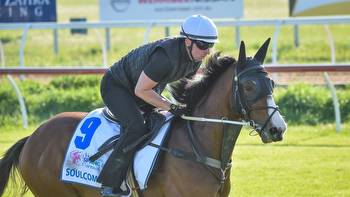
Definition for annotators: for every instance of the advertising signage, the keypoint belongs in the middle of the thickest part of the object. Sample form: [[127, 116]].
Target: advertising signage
[[168, 9], [27, 11], [319, 7]]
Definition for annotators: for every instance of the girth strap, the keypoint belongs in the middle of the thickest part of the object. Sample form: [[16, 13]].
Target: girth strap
[[196, 149], [194, 144]]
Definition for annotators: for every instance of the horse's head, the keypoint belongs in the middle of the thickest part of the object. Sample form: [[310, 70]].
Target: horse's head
[[253, 95]]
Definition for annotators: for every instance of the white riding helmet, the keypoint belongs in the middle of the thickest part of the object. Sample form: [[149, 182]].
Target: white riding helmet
[[199, 27]]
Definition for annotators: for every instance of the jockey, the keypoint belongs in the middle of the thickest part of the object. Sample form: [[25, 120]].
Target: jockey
[[136, 81]]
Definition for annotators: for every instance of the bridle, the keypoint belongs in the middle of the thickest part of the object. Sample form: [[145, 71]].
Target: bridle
[[239, 102], [240, 105]]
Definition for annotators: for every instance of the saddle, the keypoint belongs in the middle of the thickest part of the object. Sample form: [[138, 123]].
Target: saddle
[[154, 121]]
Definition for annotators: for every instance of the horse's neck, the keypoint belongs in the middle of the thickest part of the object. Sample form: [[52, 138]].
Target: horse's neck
[[215, 104]]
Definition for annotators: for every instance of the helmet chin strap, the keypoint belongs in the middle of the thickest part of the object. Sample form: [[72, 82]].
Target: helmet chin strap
[[190, 50]]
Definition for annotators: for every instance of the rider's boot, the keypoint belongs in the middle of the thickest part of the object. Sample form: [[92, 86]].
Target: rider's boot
[[114, 171], [113, 192]]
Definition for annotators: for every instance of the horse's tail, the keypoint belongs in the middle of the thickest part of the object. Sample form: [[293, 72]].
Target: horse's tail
[[9, 164]]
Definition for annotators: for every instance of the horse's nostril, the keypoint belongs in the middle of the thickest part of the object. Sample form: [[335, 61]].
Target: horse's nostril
[[273, 130], [277, 134]]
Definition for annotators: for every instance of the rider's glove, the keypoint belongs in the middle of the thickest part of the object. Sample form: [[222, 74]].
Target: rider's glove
[[177, 110]]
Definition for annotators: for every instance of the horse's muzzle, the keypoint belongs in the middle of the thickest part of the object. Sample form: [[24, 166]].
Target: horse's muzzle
[[272, 135], [276, 134]]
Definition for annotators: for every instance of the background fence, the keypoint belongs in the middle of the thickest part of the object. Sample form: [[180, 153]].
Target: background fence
[[235, 24]]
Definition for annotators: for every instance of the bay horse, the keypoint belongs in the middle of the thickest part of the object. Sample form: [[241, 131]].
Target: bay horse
[[228, 90]]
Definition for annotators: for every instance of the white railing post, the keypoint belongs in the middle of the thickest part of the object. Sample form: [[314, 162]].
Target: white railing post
[[148, 32], [108, 39], [296, 35], [238, 36], [55, 41], [23, 44], [167, 31], [329, 82], [21, 102], [103, 48], [275, 41]]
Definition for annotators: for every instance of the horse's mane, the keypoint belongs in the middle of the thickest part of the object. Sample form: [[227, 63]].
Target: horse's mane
[[190, 91]]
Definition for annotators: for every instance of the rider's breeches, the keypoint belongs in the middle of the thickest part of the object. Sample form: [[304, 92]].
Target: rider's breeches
[[123, 106]]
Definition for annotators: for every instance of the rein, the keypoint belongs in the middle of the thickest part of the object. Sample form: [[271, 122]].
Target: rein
[[230, 135], [223, 121], [228, 142], [229, 139]]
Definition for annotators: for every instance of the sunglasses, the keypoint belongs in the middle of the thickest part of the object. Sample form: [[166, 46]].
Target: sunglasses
[[203, 45]]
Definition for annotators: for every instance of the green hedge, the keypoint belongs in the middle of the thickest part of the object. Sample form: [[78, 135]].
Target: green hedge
[[44, 100], [306, 104], [299, 103], [9, 110]]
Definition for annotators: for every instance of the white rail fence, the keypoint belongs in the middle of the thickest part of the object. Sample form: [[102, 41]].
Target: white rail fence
[[148, 25]]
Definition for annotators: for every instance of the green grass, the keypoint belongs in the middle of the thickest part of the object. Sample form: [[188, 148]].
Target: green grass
[[311, 161]]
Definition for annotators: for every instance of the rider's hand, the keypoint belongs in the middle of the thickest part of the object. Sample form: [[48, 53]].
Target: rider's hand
[[178, 110], [226, 60]]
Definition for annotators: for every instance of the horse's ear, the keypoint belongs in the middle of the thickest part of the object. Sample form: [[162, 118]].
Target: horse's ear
[[260, 55], [241, 57]]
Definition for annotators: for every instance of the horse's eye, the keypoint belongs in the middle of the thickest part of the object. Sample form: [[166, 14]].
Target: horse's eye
[[249, 86]]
